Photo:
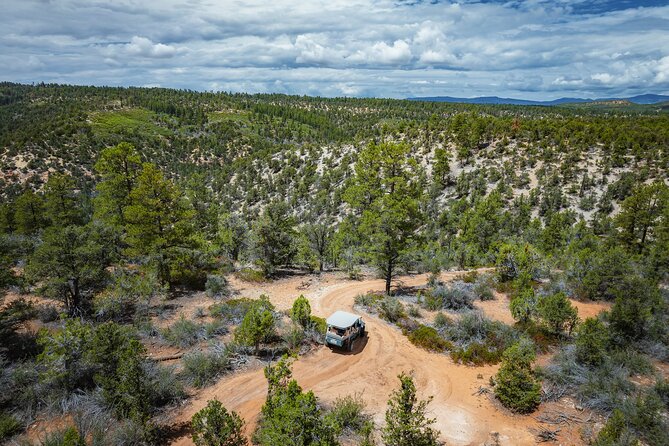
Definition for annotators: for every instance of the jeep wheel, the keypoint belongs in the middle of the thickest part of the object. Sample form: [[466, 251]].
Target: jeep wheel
[[351, 343]]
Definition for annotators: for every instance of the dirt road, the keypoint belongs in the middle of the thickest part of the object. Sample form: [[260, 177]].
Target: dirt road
[[371, 370]]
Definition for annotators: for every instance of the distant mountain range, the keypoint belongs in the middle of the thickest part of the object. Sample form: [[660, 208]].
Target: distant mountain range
[[640, 99]]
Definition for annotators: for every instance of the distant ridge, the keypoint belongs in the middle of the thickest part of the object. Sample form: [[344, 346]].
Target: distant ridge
[[643, 99]]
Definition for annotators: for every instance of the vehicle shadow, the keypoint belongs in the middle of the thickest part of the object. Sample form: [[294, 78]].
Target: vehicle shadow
[[358, 347]]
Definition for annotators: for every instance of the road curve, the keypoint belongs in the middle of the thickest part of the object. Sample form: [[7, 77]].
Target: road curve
[[371, 370]]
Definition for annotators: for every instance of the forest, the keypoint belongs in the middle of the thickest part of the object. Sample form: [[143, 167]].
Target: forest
[[119, 204]]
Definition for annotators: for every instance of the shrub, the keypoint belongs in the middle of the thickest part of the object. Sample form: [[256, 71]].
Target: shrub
[[477, 354], [183, 333], [301, 311], [408, 325], [201, 368], [557, 313], [114, 306], [662, 390], [483, 289], [470, 276], [391, 309], [429, 339], [258, 324], [8, 425], [290, 415], [231, 311], [457, 296], [442, 321], [414, 311], [132, 432], [215, 426], [319, 324], [165, 387], [431, 301], [213, 329], [64, 357], [615, 432], [592, 338], [347, 414], [67, 437], [434, 280], [47, 313], [597, 274], [368, 300], [217, 286], [645, 415], [523, 305], [251, 275], [515, 384], [479, 340], [294, 336], [128, 293], [602, 386], [72, 437], [630, 318]]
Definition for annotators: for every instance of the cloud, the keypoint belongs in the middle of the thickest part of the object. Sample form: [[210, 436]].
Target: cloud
[[142, 47], [399, 53], [539, 49]]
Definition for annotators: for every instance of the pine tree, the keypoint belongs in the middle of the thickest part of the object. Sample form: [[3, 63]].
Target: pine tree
[[214, 425], [61, 201], [258, 323], [406, 420], [301, 311], [71, 263], [558, 313], [386, 194], [515, 384], [118, 168], [274, 238], [233, 235], [291, 417], [640, 214], [29, 213], [158, 221]]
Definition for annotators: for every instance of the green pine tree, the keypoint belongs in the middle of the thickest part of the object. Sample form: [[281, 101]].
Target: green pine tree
[[406, 420]]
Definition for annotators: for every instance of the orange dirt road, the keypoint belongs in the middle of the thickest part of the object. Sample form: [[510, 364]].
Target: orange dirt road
[[371, 370]]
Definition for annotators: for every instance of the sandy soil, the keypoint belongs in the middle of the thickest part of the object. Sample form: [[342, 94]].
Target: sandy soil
[[372, 369]]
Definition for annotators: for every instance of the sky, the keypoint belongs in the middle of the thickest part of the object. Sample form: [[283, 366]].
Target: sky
[[536, 49]]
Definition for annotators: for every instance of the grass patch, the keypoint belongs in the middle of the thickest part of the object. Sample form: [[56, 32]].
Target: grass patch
[[228, 115], [135, 120]]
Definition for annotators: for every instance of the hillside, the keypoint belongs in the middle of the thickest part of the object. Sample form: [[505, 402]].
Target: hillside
[[304, 148]]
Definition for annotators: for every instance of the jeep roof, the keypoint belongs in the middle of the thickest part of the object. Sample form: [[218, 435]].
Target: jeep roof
[[342, 319]]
